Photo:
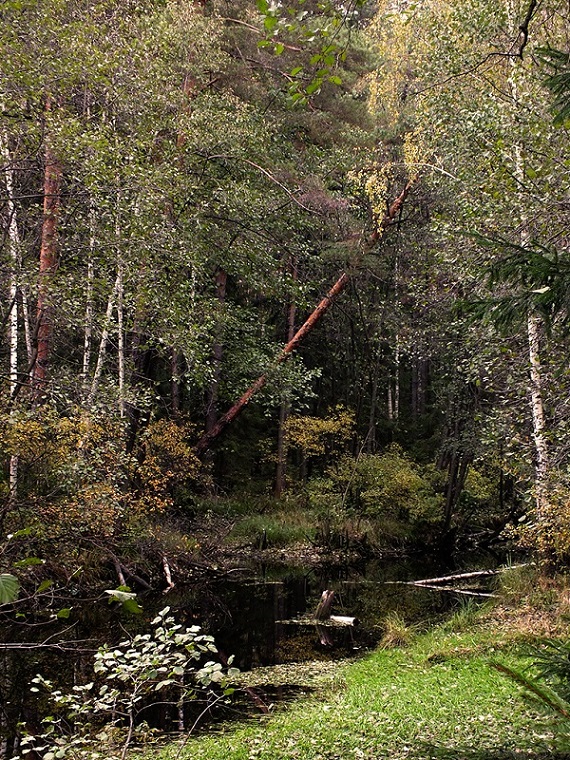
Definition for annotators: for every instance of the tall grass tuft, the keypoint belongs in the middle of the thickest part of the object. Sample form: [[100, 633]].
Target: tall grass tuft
[[396, 632]]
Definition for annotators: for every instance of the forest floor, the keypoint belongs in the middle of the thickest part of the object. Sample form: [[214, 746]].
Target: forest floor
[[440, 696]]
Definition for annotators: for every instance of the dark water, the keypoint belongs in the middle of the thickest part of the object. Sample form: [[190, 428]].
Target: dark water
[[254, 618]]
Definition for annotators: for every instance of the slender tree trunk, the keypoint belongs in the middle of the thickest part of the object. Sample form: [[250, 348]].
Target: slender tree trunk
[[13, 247], [397, 361], [281, 469], [103, 343], [175, 401], [48, 265], [15, 262], [414, 386], [534, 321], [25, 305], [371, 435], [217, 357], [539, 428], [457, 475], [121, 337], [89, 307]]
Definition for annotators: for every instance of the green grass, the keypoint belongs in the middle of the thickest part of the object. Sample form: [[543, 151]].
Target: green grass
[[261, 522], [279, 528], [438, 698]]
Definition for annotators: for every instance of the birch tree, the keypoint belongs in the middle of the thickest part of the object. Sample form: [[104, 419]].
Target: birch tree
[[484, 119]]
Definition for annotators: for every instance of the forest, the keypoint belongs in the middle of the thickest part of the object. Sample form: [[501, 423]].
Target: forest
[[274, 277]]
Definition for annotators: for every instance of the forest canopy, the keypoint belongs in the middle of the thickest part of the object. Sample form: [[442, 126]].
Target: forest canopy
[[356, 215]]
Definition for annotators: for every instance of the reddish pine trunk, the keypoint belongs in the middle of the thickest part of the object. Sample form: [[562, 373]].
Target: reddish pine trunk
[[48, 266], [206, 440]]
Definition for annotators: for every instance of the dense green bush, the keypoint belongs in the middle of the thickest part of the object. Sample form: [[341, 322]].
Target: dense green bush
[[389, 489]]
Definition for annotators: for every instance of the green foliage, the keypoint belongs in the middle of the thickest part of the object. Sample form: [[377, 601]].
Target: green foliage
[[320, 436], [169, 665], [323, 31], [538, 276], [547, 533], [546, 681], [84, 483], [389, 488], [9, 587], [558, 82]]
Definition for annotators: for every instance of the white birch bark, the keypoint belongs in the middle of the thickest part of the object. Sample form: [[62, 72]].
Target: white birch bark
[[14, 255], [13, 246], [103, 343], [89, 307], [121, 338], [534, 322]]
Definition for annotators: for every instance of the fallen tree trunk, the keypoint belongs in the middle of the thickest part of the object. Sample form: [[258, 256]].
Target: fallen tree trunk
[[453, 589], [343, 620], [340, 285], [456, 576], [205, 442]]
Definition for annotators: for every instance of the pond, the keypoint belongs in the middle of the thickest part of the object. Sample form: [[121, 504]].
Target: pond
[[263, 619], [261, 614]]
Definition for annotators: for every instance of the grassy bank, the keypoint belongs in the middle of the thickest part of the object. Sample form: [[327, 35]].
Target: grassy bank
[[437, 698]]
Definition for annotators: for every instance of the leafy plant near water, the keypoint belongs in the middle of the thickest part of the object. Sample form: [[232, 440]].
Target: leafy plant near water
[[166, 666], [388, 488]]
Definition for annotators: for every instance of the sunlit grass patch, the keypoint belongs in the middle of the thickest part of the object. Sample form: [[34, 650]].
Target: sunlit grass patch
[[273, 529], [439, 697]]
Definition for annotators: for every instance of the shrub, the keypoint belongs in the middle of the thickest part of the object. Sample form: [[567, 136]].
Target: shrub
[[388, 488], [167, 664]]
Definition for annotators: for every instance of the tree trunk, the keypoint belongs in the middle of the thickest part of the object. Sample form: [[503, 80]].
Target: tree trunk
[[14, 255], [457, 475], [103, 343], [121, 338], [534, 321], [414, 387], [371, 436], [48, 265], [539, 430], [217, 356], [89, 307], [175, 400], [13, 239], [280, 470], [207, 439], [397, 362]]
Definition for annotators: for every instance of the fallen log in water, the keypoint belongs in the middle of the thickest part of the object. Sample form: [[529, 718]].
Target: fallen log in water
[[454, 589], [344, 620], [335, 621], [458, 576]]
